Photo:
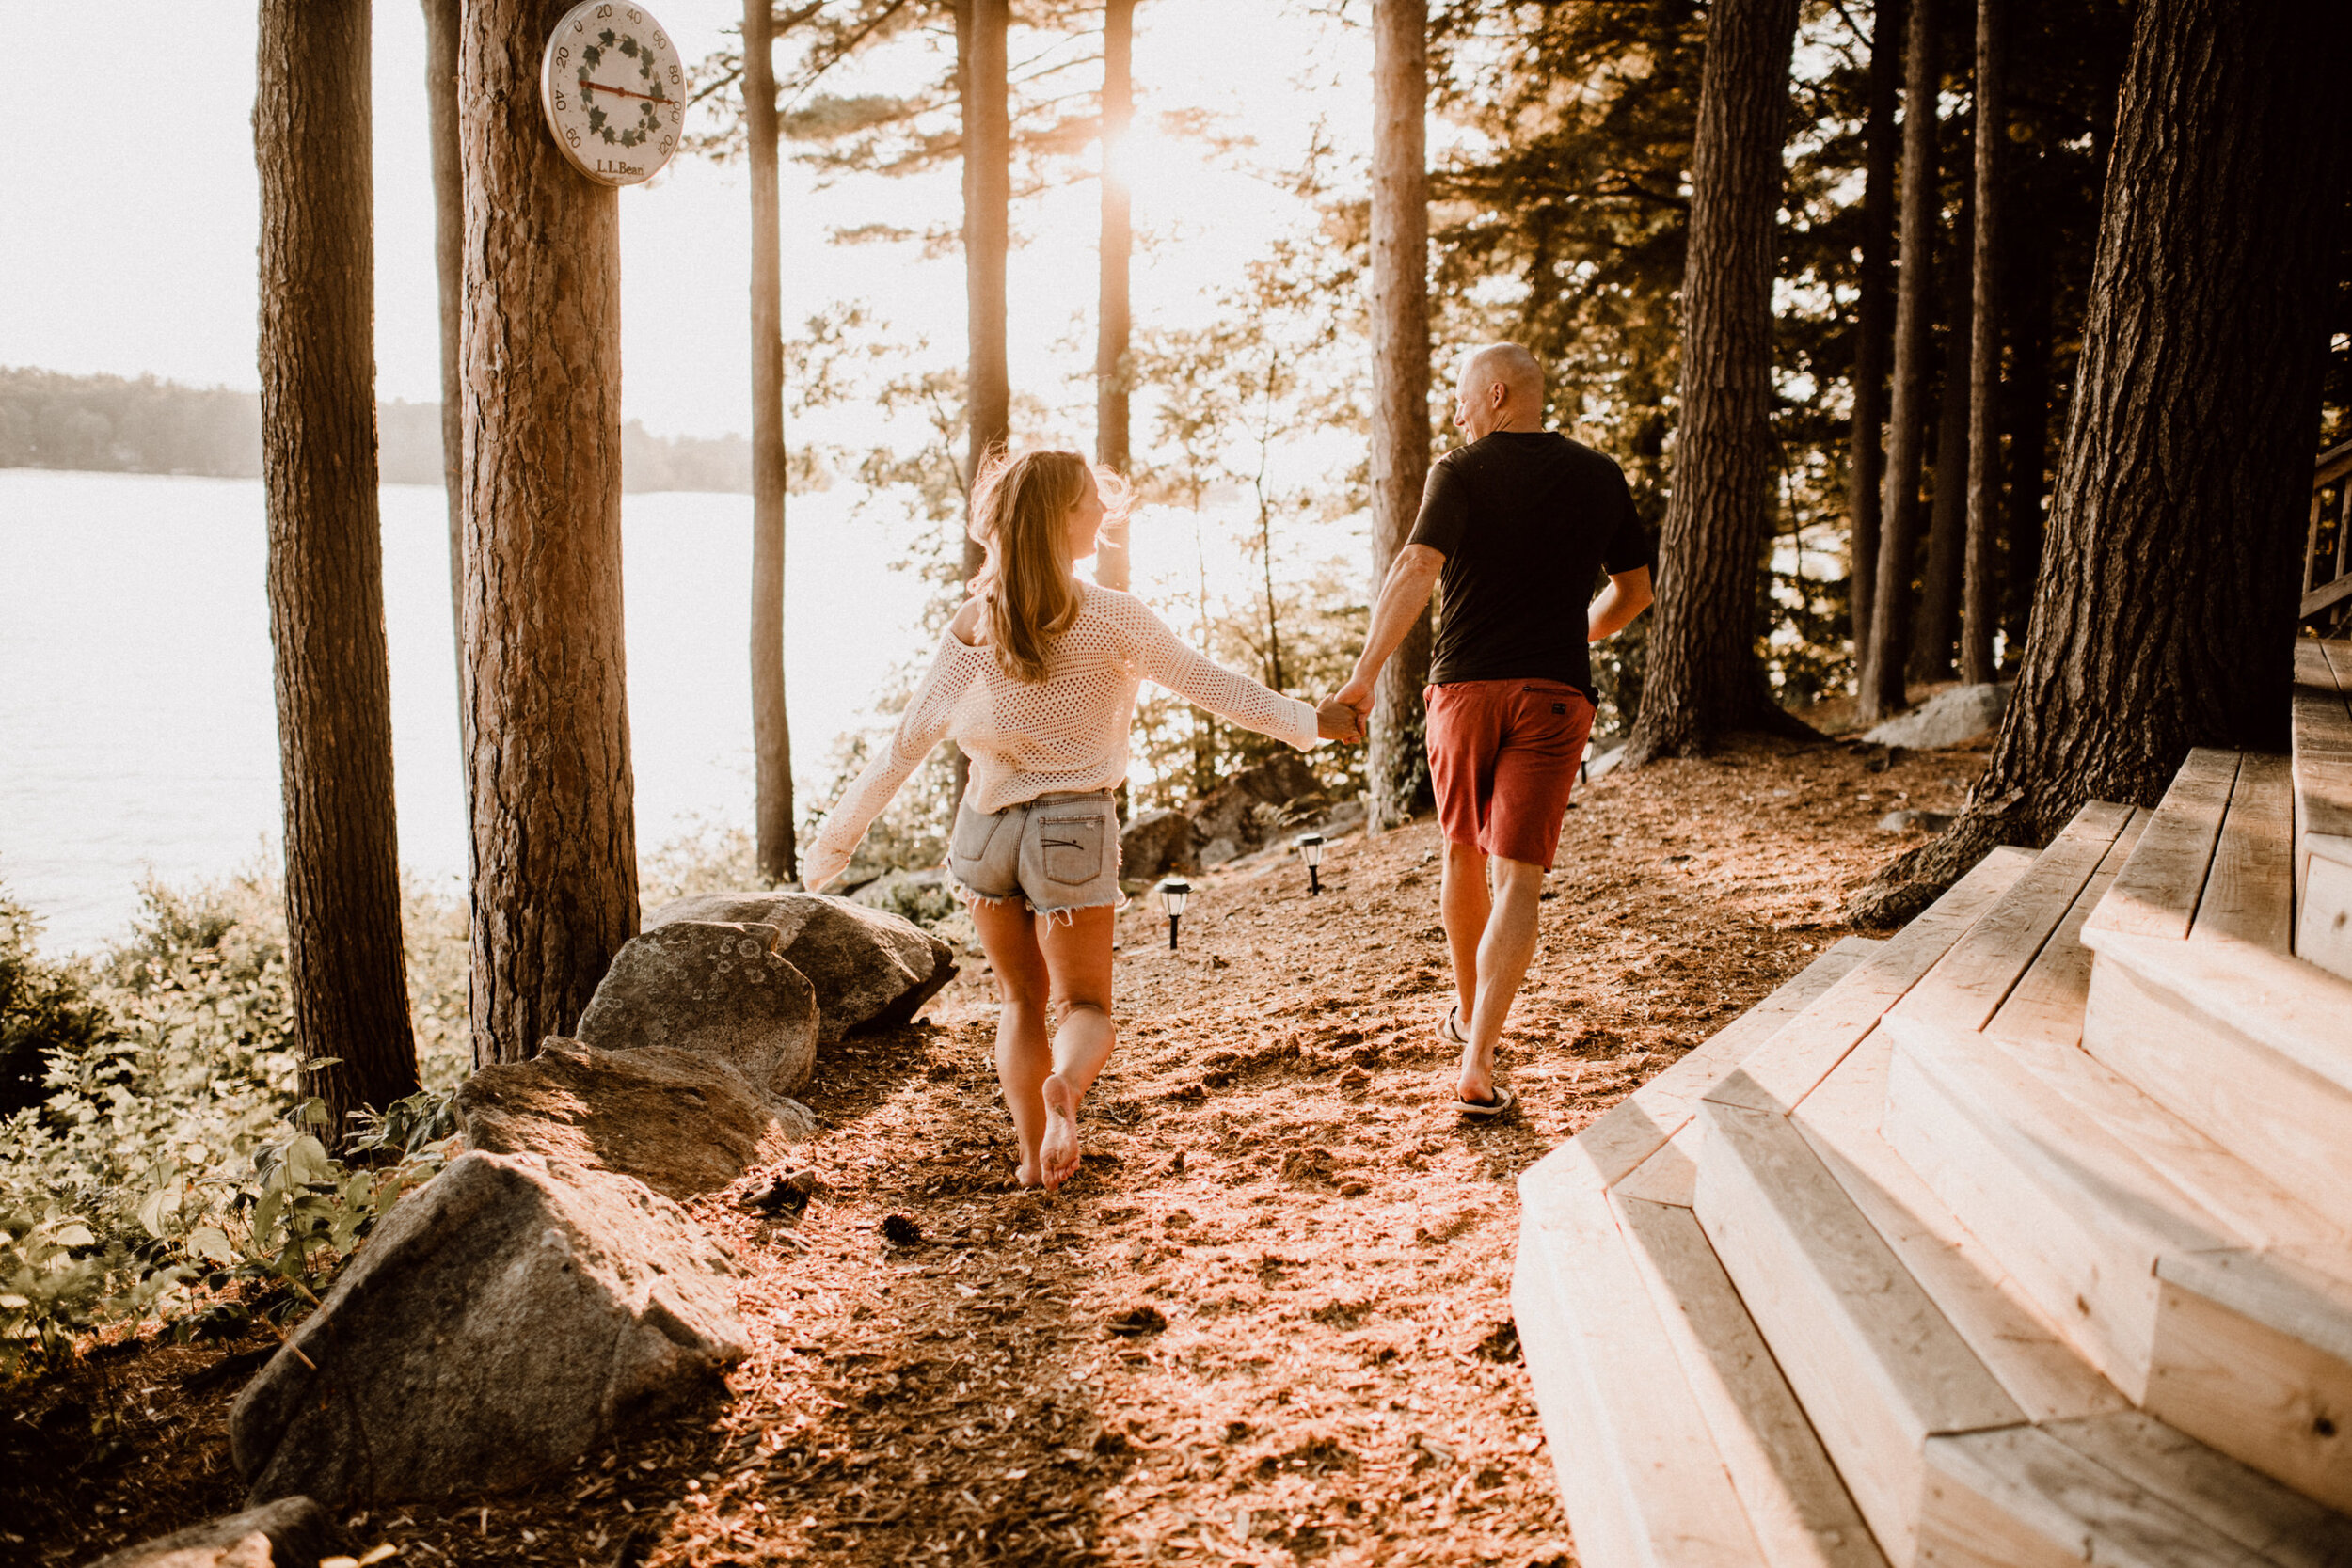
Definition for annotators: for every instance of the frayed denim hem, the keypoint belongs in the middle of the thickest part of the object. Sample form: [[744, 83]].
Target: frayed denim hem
[[1065, 914]]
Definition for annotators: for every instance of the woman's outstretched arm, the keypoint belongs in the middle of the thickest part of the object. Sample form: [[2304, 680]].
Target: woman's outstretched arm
[[922, 727], [1167, 659]]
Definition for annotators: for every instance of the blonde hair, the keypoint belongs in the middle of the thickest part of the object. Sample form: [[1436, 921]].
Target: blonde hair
[[1020, 511]]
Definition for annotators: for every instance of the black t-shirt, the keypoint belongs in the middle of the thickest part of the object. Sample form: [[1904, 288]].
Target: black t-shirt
[[1526, 520]]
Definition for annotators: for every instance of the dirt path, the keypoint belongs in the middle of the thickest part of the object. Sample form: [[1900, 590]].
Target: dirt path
[[1269, 1320]]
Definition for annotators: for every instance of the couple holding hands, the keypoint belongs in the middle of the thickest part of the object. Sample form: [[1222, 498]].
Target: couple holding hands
[[1035, 680]]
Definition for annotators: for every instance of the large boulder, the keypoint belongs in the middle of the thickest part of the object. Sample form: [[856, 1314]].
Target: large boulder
[[712, 988], [1155, 843], [1951, 718], [869, 967], [291, 1533], [506, 1318], [680, 1123]]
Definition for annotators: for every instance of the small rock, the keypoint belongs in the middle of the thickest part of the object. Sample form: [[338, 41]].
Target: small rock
[[868, 966], [680, 1123], [1914, 821], [713, 988], [1952, 718], [785, 1198], [505, 1318], [291, 1533], [899, 1231]]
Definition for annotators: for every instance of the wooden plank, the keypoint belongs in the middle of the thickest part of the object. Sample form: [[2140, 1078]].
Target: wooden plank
[[1784, 1070], [2324, 934], [2047, 1004], [2338, 653], [2240, 1197], [2018, 1345], [2253, 1356], [1796, 1505], [2251, 1047], [2235, 1347], [2157, 892], [1669, 1176], [2250, 1509], [1637, 1461], [2020, 1498], [1969, 984], [1876, 1367], [1639, 1125], [2249, 893]]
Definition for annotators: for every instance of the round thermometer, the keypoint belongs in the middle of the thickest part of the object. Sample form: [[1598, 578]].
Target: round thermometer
[[613, 91]]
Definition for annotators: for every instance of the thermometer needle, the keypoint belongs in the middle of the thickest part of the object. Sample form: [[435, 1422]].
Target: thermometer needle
[[587, 88]]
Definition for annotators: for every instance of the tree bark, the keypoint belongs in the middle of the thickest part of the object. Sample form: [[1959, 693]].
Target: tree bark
[[1113, 318], [1703, 679], [2165, 616], [346, 972], [772, 729], [441, 25], [1984, 352], [1880, 692], [1874, 313], [987, 233], [554, 852], [1938, 630], [1397, 763]]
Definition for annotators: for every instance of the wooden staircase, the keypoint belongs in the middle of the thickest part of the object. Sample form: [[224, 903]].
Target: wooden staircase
[[2023, 1238]]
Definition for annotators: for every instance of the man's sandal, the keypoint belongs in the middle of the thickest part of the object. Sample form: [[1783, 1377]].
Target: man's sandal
[[1450, 1026], [1486, 1110]]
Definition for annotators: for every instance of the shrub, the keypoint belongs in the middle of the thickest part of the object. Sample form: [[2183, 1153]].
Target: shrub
[[45, 1010]]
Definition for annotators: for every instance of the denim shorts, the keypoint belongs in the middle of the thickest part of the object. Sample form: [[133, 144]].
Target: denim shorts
[[1058, 852]]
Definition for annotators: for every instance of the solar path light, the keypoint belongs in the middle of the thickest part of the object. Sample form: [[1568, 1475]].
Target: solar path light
[[1310, 850], [1172, 896]]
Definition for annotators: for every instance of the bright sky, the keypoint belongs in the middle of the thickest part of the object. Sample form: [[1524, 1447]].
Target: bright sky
[[132, 248]]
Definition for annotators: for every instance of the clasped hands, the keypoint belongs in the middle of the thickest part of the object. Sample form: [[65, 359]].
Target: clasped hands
[[1342, 715]]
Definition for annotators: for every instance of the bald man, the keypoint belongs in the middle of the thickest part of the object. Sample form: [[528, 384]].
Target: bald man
[[1516, 525]]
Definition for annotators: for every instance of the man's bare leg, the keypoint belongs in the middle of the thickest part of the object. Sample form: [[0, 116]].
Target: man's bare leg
[[1077, 950], [1023, 1054], [1504, 951], [1464, 903]]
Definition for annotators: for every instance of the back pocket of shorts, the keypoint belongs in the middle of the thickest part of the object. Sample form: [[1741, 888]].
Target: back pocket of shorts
[[1073, 847], [973, 834]]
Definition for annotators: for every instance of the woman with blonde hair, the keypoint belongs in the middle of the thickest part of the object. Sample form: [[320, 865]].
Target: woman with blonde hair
[[1036, 679]]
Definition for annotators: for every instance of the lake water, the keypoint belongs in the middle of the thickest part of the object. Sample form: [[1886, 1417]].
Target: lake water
[[139, 730]]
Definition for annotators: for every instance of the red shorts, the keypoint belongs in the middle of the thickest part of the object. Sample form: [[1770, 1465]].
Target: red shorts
[[1502, 759]]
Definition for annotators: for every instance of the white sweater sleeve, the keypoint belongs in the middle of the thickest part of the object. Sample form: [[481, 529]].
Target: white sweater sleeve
[[1167, 659], [921, 728]]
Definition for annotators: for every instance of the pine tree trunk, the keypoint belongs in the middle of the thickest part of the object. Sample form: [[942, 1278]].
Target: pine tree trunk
[[1703, 678], [1397, 762], [1984, 352], [346, 972], [2026, 410], [1938, 630], [1874, 313], [772, 730], [987, 233], [441, 24], [1113, 318], [553, 797], [1880, 692], [2165, 616]]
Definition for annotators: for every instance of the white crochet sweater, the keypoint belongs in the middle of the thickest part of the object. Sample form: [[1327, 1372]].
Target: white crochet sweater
[[1068, 731]]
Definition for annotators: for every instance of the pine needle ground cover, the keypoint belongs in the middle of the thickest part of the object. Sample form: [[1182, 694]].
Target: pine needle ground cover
[[1267, 1323]]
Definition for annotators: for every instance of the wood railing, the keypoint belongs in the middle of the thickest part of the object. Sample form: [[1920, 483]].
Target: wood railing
[[2327, 552]]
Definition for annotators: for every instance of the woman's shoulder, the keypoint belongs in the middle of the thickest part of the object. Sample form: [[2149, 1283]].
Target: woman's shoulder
[[970, 624], [1115, 605]]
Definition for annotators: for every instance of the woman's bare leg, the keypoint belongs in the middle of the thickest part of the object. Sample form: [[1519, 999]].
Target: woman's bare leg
[[1078, 952], [1023, 1054]]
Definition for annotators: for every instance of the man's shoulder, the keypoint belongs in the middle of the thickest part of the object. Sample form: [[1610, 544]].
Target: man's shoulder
[[1510, 449]]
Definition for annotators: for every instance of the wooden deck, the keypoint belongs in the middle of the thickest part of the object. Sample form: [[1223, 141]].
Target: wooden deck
[[2023, 1238]]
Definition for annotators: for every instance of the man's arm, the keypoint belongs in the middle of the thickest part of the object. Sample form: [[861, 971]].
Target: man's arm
[[1627, 595], [1412, 577]]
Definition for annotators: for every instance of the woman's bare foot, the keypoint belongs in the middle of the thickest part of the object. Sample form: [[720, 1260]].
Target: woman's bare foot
[[1057, 1151]]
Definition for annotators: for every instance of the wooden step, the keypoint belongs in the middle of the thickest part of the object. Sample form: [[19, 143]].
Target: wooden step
[[2322, 804], [2250, 892], [2252, 1048], [1942, 1462], [2047, 1004], [2172, 1302], [2157, 895], [1802, 1053]]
